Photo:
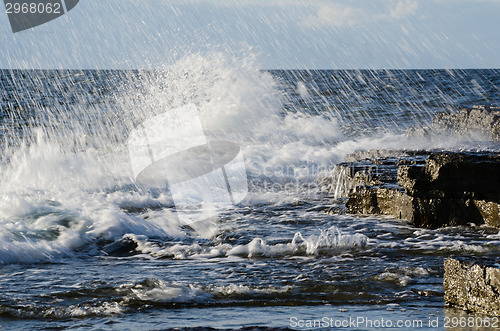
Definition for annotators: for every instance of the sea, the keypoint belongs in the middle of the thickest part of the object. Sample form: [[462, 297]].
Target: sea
[[83, 245]]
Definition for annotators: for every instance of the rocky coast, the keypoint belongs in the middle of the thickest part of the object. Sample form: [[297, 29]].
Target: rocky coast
[[429, 189], [435, 189]]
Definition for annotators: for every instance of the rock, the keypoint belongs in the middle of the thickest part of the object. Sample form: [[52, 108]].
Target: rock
[[413, 178], [459, 174], [472, 287], [430, 190], [490, 211], [477, 121], [440, 212], [384, 201], [124, 247]]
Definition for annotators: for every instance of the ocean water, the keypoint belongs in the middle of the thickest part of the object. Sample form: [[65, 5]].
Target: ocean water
[[82, 245]]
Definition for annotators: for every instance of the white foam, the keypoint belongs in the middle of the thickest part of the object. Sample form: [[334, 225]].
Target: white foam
[[302, 90], [106, 309], [398, 279], [331, 241], [244, 289], [158, 291]]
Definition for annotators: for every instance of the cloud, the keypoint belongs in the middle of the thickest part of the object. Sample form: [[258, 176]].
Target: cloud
[[404, 9], [335, 15], [328, 14]]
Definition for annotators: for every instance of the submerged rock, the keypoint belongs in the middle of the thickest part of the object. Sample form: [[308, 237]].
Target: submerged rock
[[430, 189], [472, 287]]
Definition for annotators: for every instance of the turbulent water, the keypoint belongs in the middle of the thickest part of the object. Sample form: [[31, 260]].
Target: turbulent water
[[83, 245]]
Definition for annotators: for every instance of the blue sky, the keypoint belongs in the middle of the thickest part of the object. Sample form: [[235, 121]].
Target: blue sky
[[287, 34]]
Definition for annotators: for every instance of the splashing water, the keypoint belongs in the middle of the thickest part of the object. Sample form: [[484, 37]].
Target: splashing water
[[68, 197], [66, 173]]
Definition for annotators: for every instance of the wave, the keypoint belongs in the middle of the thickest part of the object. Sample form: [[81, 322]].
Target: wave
[[330, 241], [67, 184]]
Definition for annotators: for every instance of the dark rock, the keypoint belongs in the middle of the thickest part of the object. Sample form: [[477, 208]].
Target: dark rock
[[434, 190], [439, 212], [459, 174], [413, 178], [381, 200], [124, 247], [472, 287]]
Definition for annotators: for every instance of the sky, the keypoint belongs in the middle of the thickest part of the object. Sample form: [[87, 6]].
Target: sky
[[281, 34]]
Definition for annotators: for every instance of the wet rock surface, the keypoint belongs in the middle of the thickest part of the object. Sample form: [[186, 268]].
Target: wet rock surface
[[472, 287], [429, 189], [476, 121]]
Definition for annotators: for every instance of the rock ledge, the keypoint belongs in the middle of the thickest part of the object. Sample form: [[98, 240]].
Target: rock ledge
[[429, 189]]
